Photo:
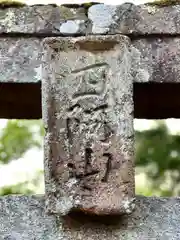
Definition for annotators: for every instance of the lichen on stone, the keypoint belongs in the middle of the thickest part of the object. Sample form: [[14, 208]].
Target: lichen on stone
[[71, 13], [72, 27], [84, 5], [164, 3], [11, 4]]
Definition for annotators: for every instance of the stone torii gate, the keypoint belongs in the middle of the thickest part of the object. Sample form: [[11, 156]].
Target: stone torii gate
[[97, 68]]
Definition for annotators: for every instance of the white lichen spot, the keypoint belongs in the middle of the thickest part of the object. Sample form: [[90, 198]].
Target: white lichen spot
[[65, 205], [152, 9], [142, 75], [72, 27], [77, 201], [140, 71], [71, 182], [102, 17], [61, 130], [9, 20], [38, 75], [128, 205], [53, 187]]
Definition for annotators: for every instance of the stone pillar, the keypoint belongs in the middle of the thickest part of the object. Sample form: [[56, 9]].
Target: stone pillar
[[87, 101]]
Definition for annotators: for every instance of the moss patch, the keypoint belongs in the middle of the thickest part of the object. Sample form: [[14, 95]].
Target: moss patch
[[11, 3], [84, 5], [164, 3]]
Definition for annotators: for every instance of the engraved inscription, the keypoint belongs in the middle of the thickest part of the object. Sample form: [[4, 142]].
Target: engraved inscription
[[89, 134], [108, 166], [88, 107], [87, 118], [91, 82]]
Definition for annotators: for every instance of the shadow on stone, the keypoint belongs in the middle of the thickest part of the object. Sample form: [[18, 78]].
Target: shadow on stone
[[77, 219]]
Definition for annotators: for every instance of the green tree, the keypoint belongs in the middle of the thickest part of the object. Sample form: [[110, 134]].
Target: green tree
[[158, 156], [15, 139]]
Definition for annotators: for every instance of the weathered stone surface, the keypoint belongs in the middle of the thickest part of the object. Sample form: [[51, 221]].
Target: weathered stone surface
[[88, 115], [20, 60], [131, 19], [73, 27], [153, 60], [99, 19], [45, 19], [24, 218], [160, 57], [102, 17]]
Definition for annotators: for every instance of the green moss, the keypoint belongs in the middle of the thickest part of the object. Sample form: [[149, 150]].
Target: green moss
[[87, 5], [10, 3], [66, 13], [164, 3], [84, 5]]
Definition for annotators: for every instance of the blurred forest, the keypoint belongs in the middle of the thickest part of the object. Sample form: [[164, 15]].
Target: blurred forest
[[16, 138], [157, 157]]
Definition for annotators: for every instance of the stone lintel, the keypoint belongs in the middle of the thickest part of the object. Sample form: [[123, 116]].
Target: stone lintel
[[97, 19], [87, 92], [154, 60], [24, 218]]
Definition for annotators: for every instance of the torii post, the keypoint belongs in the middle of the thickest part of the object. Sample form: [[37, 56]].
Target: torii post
[[87, 92]]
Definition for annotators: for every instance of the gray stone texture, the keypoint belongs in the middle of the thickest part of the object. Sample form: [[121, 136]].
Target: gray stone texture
[[20, 60], [45, 19], [87, 92], [141, 19], [72, 27], [154, 59], [24, 218], [98, 19], [160, 57]]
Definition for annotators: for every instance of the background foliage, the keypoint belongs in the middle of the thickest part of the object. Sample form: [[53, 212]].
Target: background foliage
[[15, 140], [157, 157]]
